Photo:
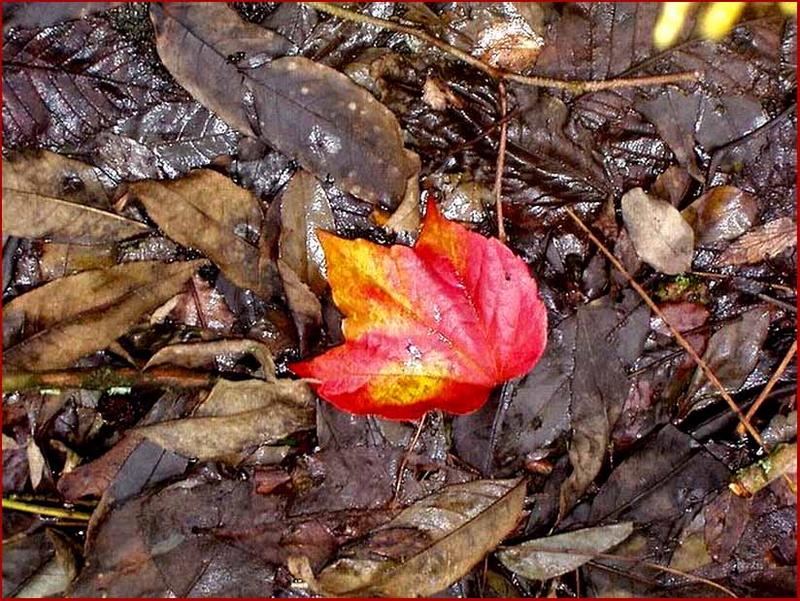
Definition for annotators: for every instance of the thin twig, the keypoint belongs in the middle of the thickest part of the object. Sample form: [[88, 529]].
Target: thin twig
[[722, 276], [56, 512], [106, 378], [402, 469], [575, 86], [501, 164], [678, 336], [770, 385]]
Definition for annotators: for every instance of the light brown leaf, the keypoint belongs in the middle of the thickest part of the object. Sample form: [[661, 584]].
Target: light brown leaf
[[36, 463], [206, 210], [545, 558], [304, 210], [50, 196], [661, 236], [208, 354], [93, 309], [427, 547], [764, 242], [236, 416]]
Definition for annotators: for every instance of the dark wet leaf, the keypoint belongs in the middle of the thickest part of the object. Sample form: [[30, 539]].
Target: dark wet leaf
[[427, 547], [71, 80], [722, 213], [732, 354], [764, 242], [50, 196], [208, 211], [545, 558], [661, 236], [94, 309], [165, 141], [306, 110], [304, 305]]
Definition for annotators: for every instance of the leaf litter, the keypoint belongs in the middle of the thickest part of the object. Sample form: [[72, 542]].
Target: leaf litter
[[169, 171]]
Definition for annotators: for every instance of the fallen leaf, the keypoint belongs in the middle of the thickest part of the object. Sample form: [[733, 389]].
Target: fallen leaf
[[436, 326], [94, 309], [304, 210], [65, 83], [661, 236], [764, 242], [427, 547], [50, 196], [36, 463], [208, 211], [545, 558], [307, 110], [38, 564], [59, 260], [214, 355], [732, 353], [235, 416], [53, 577], [722, 213], [303, 303], [31, 15]]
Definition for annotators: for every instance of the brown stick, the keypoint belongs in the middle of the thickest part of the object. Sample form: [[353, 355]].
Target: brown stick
[[575, 86], [770, 385], [409, 449], [501, 164], [678, 336], [106, 378]]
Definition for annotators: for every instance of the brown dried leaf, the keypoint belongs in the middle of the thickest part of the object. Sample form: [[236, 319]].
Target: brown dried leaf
[[427, 547], [304, 210], [662, 237], [209, 355], [236, 416], [94, 308], [208, 211], [308, 111], [764, 242], [545, 558], [50, 196]]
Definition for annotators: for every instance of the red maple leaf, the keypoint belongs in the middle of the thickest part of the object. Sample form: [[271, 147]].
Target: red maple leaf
[[435, 326]]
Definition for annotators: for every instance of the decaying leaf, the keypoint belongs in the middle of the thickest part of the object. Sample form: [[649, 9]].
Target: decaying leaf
[[94, 308], [436, 326], [427, 547], [235, 416], [303, 303], [732, 353], [304, 210], [764, 242], [208, 211], [68, 81], [722, 213], [553, 556], [308, 111], [662, 237], [36, 463], [50, 196], [212, 354]]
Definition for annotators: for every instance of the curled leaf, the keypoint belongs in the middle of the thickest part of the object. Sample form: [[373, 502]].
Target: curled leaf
[[427, 547]]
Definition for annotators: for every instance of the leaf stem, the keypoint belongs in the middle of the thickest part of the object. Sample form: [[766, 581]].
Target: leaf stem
[[501, 163], [574, 86], [56, 512]]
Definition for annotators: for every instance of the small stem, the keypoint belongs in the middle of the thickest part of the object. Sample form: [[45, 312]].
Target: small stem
[[409, 449], [677, 335], [501, 164], [770, 385], [106, 378], [575, 86], [56, 512]]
